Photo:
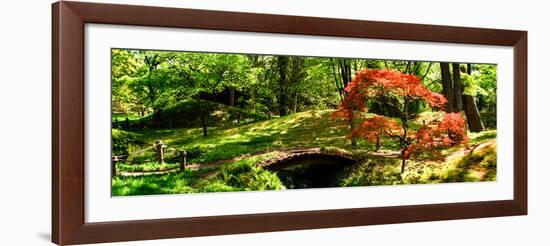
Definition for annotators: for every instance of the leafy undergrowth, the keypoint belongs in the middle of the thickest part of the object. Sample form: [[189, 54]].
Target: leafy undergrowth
[[372, 171], [479, 165], [243, 175]]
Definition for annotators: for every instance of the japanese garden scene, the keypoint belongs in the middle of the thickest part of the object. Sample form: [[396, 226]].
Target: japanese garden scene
[[195, 122]]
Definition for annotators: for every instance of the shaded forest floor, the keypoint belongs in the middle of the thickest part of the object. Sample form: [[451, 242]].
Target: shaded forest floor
[[227, 159]]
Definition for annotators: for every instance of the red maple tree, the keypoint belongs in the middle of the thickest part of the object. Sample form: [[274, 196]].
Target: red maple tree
[[398, 91]]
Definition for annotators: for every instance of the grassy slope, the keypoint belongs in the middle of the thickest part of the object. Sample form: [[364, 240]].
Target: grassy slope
[[306, 129]]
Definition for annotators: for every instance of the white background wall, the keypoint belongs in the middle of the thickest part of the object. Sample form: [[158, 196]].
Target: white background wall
[[25, 141]]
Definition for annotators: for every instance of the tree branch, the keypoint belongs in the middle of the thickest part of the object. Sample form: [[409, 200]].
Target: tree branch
[[427, 71]]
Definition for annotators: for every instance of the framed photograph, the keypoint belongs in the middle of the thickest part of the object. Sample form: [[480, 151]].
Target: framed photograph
[[172, 122]]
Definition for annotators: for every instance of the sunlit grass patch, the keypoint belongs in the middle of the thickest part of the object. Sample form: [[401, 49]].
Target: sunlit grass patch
[[146, 167], [169, 183], [372, 171], [242, 175], [478, 137], [305, 129], [122, 117], [479, 165]]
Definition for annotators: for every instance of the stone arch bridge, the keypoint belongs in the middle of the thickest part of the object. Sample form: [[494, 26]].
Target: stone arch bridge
[[306, 156]]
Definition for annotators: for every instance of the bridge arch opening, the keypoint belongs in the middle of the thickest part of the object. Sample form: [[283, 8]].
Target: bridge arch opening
[[311, 170]]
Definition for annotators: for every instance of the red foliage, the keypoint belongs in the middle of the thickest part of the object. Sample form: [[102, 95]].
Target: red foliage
[[406, 88], [375, 82], [426, 138], [378, 82], [452, 129], [448, 132], [373, 128]]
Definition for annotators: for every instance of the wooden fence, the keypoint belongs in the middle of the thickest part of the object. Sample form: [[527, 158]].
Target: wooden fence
[[160, 154]]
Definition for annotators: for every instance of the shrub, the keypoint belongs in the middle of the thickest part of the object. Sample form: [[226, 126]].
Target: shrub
[[373, 171], [250, 177], [196, 152], [121, 141]]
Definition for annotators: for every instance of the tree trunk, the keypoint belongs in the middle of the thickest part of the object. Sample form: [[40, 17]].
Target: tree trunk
[[345, 71], [472, 114], [352, 129], [282, 65], [157, 114], [295, 103], [282, 108], [231, 97], [403, 160], [339, 87], [447, 86], [377, 144], [457, 88], [404, 142], [204, 127]]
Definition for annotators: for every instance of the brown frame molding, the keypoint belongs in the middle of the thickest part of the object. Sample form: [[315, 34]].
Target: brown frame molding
[[68, 19]]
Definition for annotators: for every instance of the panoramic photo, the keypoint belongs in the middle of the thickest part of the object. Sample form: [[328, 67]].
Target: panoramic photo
[[197, 122]]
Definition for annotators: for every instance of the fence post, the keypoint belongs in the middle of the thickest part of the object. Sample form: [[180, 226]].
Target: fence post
[[114, 160], [183, 159], [160, 154]]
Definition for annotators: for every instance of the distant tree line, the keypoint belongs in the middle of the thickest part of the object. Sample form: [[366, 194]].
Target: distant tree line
[[146, 83]]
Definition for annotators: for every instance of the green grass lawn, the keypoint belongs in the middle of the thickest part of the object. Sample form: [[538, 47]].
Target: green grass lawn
[[122, 117], [305, 129], [146, 167], [243, 175]]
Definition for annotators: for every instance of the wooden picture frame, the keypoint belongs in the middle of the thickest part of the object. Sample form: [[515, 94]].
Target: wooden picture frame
[[68, 224]]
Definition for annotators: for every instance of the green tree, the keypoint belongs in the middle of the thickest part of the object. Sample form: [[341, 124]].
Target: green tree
[[201, 76]]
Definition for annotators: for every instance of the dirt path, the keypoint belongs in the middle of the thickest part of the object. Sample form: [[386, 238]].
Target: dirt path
[[471, 149], [458, 153], [143, 173], [280, 153], [386, 154]]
